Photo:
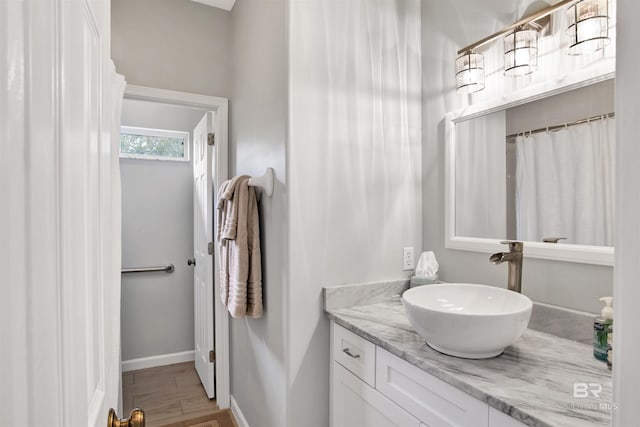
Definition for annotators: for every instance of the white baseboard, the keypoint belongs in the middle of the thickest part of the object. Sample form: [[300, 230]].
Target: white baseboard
[[160, 360], [237, 413]]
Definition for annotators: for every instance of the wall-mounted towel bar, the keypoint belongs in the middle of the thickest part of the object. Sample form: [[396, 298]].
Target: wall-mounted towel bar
[[168, 268], [265, 182]]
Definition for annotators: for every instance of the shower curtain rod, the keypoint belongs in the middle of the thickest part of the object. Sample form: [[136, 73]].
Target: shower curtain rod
[[511, 138]]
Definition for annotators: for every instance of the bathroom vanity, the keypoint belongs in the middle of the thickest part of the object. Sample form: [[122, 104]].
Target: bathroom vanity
[[383, 374], [530, 160]]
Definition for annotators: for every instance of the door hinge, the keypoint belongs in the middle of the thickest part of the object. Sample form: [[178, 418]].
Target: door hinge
[[211, 138], [210, 248], [212, 356]]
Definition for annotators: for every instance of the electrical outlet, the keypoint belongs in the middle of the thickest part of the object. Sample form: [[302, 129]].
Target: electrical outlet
[[407, 259]]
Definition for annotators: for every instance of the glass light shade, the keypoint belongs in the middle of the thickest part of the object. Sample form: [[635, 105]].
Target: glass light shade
[[470, 72], [588, 26], [521, 52]]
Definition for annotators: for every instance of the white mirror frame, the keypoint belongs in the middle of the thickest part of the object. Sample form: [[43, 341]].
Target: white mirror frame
[[599, 255]]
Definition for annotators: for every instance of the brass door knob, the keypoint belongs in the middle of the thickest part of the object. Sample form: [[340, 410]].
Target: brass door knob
[[136, 419], [191, 261]]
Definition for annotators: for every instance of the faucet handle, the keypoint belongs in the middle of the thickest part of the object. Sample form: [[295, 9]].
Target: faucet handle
[[514, 245], [553, 239]]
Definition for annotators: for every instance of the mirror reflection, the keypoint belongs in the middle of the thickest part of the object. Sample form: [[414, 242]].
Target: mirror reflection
[[541, 171]]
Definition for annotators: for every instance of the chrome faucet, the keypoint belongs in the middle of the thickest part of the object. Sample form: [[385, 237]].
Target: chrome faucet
[[514, 258]]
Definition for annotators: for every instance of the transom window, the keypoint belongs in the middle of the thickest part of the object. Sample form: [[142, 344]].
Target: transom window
[[155, 144]]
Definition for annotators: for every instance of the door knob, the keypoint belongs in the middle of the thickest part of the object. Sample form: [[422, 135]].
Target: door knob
[[191, 261], [136, 419]]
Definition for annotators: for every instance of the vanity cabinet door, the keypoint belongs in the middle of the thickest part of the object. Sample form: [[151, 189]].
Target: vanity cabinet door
[[434, 402], [355, 404]]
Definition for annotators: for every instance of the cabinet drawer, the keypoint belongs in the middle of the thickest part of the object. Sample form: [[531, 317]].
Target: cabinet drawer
[[431, 400], [354, 353], [355, 404]]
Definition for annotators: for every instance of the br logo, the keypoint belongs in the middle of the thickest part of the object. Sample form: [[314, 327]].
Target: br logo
[[585, 390]]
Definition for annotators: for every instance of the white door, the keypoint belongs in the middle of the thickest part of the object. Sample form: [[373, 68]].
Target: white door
[[60, 293], [203, 252]]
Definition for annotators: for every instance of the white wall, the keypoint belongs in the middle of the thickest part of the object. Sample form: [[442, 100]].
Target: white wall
[[353, 168], [172, 44], [626, 370], [157, 229], [446, 27], [258, 132]]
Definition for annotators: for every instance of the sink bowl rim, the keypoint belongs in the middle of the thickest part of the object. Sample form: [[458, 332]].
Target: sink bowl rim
[[528, 304]]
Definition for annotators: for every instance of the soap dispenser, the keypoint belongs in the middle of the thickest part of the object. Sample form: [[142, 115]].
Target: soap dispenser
[[601, 330]]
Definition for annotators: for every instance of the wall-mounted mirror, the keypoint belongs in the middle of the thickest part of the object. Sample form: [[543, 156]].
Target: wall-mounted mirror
[[539, 170]]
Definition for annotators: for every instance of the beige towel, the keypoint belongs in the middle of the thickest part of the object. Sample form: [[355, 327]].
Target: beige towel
[[254, 281], [227, 228], [239, 238]]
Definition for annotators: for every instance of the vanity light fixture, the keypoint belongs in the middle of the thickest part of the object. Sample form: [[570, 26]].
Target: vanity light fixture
[[521, 51], [470, 72], [588, 26]]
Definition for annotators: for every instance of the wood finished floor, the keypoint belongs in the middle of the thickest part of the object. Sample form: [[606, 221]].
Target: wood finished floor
[[172, 395]]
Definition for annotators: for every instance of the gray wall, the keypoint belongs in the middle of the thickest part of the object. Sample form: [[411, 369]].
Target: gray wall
[[178, 45], [566, 107], [157, 229], [172, 44], [258, 117], [182, 45], [161, 116], [446, 26]]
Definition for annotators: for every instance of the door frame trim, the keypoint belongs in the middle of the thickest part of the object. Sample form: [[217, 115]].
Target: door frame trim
[[221, 129]]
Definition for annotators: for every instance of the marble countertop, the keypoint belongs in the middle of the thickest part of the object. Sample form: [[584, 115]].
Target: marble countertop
[[532, 381]]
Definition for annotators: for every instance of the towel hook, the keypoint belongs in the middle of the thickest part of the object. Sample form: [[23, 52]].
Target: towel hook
[[265, 182]]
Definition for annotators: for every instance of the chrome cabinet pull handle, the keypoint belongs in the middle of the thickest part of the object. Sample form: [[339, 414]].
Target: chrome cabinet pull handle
[[348, 353]]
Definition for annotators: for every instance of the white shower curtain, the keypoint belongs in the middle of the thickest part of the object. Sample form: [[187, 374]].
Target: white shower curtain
[[565, 184], [481, 184]]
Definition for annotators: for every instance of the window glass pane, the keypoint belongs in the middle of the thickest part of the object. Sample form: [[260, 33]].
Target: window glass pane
[[152, 146]]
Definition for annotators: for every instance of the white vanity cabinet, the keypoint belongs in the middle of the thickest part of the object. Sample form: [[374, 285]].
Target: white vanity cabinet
[[354, 400], [354, 403], [372, 387]]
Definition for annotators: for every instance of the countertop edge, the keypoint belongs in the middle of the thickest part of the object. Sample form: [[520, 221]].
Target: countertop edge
[[492, 401]]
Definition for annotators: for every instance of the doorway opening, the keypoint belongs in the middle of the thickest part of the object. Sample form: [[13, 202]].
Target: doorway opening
[[174, 330]]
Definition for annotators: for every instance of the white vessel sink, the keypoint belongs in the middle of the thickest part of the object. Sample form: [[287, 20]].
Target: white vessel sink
[[466, 320]]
